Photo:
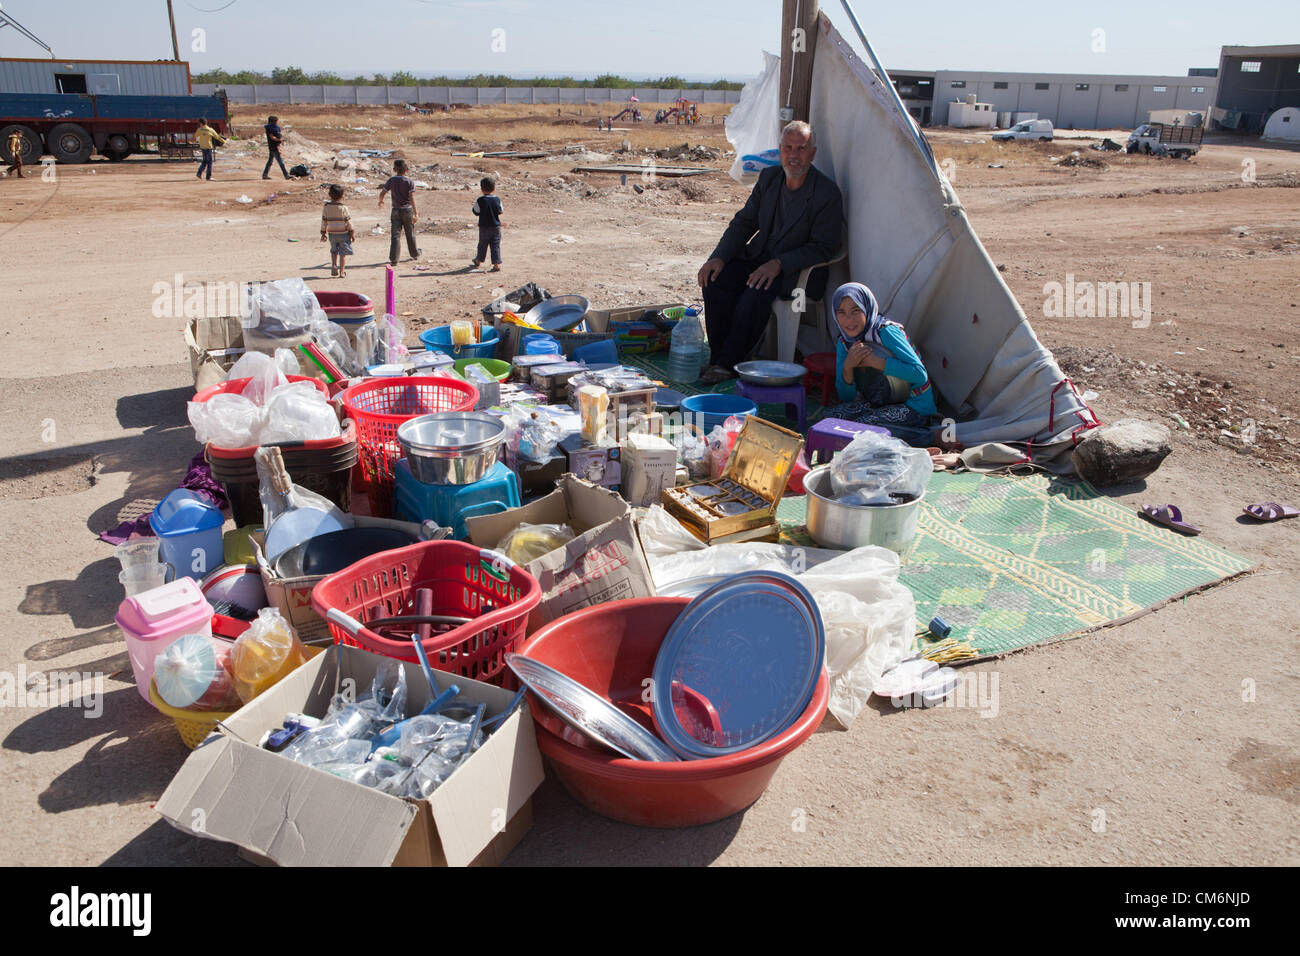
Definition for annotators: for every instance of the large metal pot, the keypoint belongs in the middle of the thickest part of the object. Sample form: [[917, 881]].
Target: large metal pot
[[835, 525], [451, 448]]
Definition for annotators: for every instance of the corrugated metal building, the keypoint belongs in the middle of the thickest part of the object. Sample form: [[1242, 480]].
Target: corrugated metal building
[[1254, 81], [125, 77], [1079, 101]]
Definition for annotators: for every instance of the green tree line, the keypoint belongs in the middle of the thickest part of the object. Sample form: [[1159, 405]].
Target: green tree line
[[294, 75]]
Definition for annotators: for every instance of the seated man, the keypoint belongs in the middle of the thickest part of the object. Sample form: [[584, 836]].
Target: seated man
[[792, 220]]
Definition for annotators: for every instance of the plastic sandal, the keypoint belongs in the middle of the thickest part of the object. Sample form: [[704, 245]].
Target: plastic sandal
[[1170, 516], [1271, 511]]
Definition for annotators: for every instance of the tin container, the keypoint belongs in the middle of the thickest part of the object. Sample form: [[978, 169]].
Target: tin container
[[833, 524], [741, 503]]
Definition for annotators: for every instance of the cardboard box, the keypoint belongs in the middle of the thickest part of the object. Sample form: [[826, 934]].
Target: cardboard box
[[294, 815], [603, 563], [292, 596], [624, 324], [599, 464], [649, 466], [214, 345]]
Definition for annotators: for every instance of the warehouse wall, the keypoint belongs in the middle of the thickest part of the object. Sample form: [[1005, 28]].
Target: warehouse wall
[[445, 95]]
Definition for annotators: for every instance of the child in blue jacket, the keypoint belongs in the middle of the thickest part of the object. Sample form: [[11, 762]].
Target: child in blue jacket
[[874, 365]]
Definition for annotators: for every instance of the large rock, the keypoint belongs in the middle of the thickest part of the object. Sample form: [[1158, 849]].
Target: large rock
[[1122, 451]]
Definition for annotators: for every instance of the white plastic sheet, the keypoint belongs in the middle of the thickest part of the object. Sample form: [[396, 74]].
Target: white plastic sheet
[[753, 125], [869, 615]]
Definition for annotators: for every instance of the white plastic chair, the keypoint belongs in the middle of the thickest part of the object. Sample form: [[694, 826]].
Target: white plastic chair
[[785, 320]]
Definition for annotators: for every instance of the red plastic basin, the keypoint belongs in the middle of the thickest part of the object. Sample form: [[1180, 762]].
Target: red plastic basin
[[611, 649]]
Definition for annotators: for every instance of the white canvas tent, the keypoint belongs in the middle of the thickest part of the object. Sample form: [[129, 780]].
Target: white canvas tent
[[910, 241], [1283, 126]]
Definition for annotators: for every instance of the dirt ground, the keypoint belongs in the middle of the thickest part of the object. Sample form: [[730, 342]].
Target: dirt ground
[[1167, 740]]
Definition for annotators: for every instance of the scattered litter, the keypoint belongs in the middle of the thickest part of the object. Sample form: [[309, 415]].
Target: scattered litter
[[419, 182], [293, 240], [377, 231], [1090, 396], [996, 166], [562, 238], [243, 200], [1181, 421]]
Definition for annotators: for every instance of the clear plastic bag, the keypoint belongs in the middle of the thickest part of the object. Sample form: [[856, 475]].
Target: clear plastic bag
[[193, 673], [337, 344], [876, 469], [298, 412], [282, 307], [392, 333], [264, 654], [530, 541], [264, 374], [227, 421], [273, 503]]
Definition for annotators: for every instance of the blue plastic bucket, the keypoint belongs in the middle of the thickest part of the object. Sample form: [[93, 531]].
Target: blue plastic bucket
[[540, 343], [439, 340], [709, 411], [188, 527]]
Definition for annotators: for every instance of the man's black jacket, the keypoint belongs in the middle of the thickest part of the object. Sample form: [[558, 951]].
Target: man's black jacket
[[811, 235]]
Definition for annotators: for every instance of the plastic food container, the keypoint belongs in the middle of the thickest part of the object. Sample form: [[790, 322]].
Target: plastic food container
[[610, 649], [152, 620], [188, 527], [710, 411]]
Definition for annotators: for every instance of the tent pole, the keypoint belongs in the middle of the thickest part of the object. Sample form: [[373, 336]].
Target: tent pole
[[798, 46], [917, 135]]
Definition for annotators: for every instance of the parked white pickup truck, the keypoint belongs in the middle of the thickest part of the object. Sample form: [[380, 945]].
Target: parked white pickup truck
[[1162, 139], [1029, 129]]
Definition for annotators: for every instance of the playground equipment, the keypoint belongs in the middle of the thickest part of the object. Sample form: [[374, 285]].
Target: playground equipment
[[683, 111]]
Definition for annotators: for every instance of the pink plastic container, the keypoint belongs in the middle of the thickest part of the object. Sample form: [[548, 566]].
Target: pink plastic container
[[153, 619]]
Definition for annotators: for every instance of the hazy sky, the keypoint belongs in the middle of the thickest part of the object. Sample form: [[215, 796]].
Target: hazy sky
[[693, 38]]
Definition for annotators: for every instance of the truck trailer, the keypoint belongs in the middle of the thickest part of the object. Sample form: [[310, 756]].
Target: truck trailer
[[73, 126]]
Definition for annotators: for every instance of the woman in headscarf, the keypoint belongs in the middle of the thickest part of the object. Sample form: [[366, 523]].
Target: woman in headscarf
[[878, 375]]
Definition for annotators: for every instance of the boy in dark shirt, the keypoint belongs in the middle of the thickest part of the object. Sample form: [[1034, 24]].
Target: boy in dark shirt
[[488, 209], [404, 215], [273, 140]]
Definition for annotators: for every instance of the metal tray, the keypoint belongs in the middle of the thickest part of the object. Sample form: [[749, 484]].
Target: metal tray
[[559, 313], [772, 374], [745, 656], [589, 713]]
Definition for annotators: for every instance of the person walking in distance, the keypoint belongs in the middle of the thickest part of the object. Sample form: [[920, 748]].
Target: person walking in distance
[[273, 140], [404, 215], [15, 146], [207, 138]]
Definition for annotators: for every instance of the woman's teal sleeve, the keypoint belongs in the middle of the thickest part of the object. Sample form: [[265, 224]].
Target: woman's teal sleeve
[[904, 363], [846, 391]]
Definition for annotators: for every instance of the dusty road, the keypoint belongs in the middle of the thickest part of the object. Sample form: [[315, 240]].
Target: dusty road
[[1179, 727]]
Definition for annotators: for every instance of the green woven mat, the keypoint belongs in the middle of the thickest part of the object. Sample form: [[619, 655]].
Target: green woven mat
[[1010, 562], [655, 364]]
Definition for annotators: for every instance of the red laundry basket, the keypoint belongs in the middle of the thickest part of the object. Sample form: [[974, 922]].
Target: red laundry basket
[[466, 581], [236, 386], [379, 405]]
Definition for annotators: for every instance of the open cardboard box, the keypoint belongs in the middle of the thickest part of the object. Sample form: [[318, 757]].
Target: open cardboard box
[[604, 562], [213, 345], [294, 815]]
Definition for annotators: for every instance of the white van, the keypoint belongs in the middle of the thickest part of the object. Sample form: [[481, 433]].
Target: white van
[[1029, 129]]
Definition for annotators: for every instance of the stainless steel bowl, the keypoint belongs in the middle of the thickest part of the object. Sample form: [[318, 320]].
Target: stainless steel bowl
[[836, 525], [451, 448], [559, 313], [771, 374]]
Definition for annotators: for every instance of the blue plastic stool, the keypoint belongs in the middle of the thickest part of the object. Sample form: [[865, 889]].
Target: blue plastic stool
[[450, 505], [793, 397]]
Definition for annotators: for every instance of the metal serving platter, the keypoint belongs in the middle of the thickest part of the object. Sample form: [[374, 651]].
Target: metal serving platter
[[739, 665], [772, 374], [587, 712], [559, 313]]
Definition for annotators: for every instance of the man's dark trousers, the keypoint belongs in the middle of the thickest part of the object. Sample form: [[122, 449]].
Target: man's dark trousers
[[734, 314], [273, 155]]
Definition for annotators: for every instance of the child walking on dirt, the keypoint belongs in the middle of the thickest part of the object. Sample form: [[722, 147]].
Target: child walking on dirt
[[336, 225], [208, 139], [488, 209], [15, 147], [404, 216]]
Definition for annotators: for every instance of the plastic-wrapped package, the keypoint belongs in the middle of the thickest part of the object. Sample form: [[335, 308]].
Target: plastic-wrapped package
[[876, 469], [263, 373], [298, 412], [193, 673], [264, 654], [281, 307], [721, 441], [337, 344], [535, 435], [869, 615], [273, 504], [392, 333], [225, 420], [530, 541]]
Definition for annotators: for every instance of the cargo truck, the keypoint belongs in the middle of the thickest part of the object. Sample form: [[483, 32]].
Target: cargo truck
[[1164, 139], [72, 127]]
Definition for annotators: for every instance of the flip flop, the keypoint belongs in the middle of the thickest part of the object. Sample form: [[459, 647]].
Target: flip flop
[[1170, 516], [1271, 511]]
